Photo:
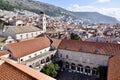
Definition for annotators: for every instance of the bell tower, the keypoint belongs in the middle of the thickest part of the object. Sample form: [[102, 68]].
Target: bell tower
[[42, 19]]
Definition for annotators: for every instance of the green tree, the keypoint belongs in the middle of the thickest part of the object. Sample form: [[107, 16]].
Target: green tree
[[51, 69], [74, 36], [4, 5], [102, 71]]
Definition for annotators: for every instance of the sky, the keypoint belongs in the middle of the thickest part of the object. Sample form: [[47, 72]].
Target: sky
[[106, 7]]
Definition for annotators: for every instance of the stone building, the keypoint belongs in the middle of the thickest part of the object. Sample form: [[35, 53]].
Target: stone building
[[34, 53], [85, 57], [12, 70], [77, 56], [22, 32]]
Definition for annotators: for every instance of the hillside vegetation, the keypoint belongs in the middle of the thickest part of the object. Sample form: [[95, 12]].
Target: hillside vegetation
[[54, 11]]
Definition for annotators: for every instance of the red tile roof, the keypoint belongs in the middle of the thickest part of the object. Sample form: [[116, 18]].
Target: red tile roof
[[90, 47], [114, 68], [11, 70], [56, 42], [4, 53], [24, 48]]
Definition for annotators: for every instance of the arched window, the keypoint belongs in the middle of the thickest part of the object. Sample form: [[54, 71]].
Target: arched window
[[21, 59], [30, 66], [21, 36], [87, 69], [61, 55], [73, 66], [67, 57], [32, 34], [80, 68], [94, 71], [42, 61], [47, 59], [52, 56], [67, 65], [27, 36]]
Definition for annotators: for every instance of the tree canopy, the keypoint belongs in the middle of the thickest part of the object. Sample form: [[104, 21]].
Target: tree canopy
[[6, 6], [102, 70], [51, 69], [74, 36]]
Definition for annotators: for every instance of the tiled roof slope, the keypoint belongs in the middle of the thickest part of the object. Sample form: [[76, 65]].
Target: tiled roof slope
[[11, 70], [4, 53], [24, 29], [114, 68], [56, 42], [90, 47], [24, 48]]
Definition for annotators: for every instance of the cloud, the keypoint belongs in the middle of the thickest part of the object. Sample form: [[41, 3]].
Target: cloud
[[76, 7], [114, 12], [103, 1]]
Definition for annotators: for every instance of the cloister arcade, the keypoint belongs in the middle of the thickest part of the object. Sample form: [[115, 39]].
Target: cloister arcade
[[87, 70]]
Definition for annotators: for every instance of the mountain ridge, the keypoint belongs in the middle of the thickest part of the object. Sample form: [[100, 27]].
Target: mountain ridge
[[60, 13]]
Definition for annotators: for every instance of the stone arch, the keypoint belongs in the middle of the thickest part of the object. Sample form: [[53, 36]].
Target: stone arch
[[47, 59], [52, 56], [30, 66], [80, 68], [42, 61], [67, 65], [73, 67], [87, 69], [94, 71]]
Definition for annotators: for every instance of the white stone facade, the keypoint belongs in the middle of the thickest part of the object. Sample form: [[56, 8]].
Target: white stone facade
[[84, 61], [22, 36], [38, 59], [42, 21], [34, 54], [30, 35]]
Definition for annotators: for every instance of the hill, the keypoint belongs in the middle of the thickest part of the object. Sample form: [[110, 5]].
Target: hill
[[59, 13]]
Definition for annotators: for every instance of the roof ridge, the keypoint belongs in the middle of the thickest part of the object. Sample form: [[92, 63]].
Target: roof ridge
[[35, 74]]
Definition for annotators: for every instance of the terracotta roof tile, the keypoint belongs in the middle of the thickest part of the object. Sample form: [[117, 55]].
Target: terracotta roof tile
[[90, 47], [4, 53], [114, 68], [11, 70], [24, 48], [56, 42]]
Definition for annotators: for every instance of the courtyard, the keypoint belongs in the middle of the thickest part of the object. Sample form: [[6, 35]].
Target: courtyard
[[67, 75]]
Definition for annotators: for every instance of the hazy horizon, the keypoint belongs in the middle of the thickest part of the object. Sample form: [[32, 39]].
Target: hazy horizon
[[106, 7]]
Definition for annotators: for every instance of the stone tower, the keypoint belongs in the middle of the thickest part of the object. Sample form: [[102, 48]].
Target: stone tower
[[42, 22]]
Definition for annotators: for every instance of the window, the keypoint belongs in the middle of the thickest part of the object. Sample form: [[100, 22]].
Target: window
[[21, 36], [29, 56], [41, 20], [10, 41], [67, 56], [41, 24], [35, 54], [10, 55], [67, 65], [30, 66], [27, 36], [73, 66], [32, 34], [60, 55], [21, 59]]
